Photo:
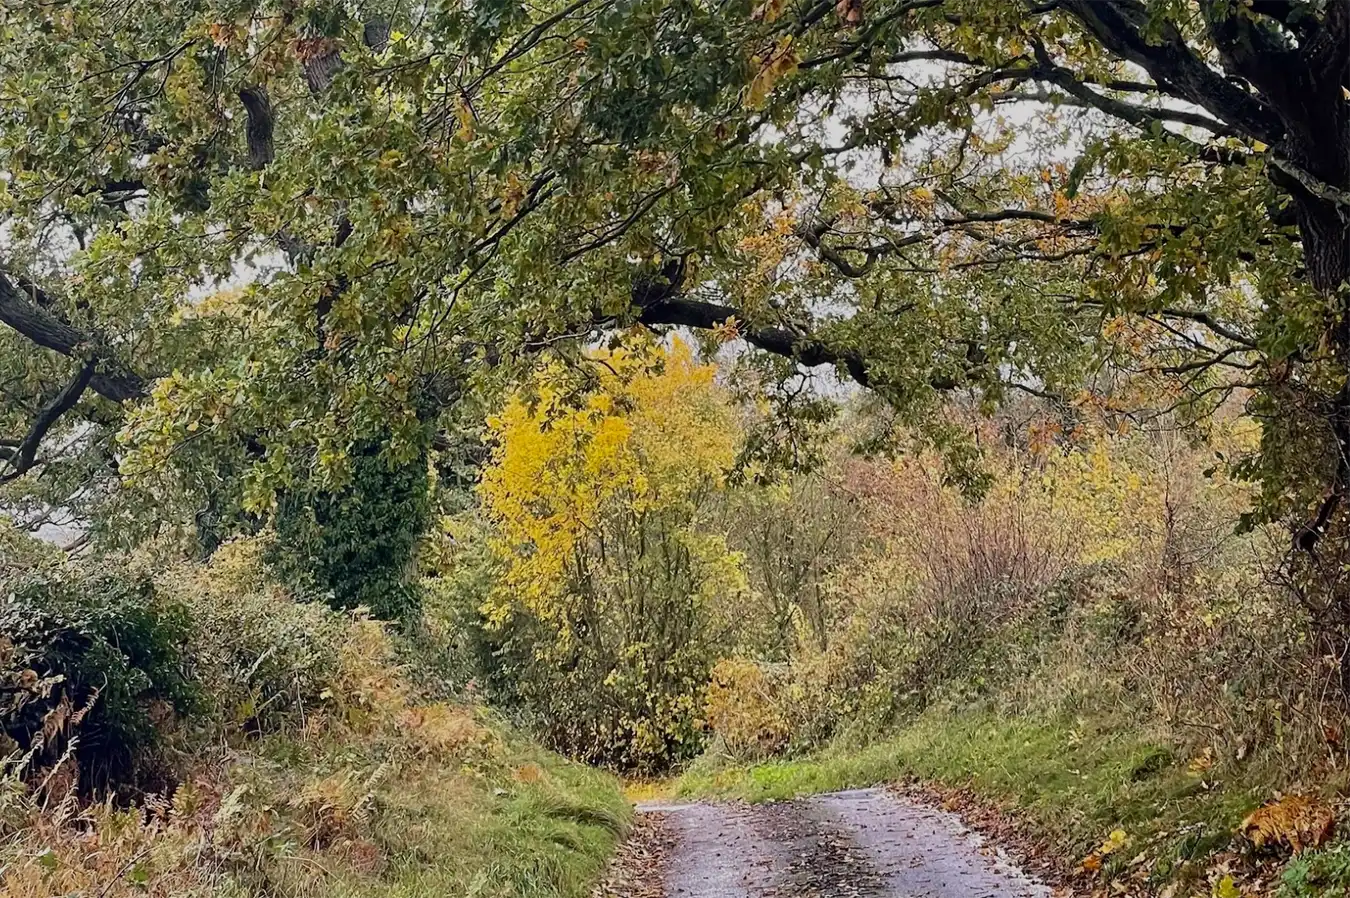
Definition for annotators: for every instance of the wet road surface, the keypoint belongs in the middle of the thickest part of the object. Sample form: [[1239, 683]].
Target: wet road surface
[[867, 843]]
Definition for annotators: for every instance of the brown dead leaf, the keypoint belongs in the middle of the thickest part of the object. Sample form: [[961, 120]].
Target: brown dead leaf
[[850, 12], [637, 869], [1296, 822], [529, 773]]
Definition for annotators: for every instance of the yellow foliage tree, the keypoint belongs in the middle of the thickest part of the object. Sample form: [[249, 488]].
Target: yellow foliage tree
[[612, 578]]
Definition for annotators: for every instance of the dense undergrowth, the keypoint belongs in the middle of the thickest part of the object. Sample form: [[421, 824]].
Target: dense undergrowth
[[250, 744], [1085, 632]]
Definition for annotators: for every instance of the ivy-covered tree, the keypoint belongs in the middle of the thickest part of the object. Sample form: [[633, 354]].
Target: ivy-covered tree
[[357, 545], [933, 196]]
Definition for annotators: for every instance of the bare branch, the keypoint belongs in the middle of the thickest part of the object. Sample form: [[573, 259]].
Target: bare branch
[[22, 459]]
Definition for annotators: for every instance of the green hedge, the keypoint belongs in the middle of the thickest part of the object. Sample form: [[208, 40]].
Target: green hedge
[[97, 658]]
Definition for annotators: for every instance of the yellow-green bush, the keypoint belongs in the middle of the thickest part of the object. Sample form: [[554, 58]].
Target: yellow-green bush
[[743, 709], [263, 654], [614, 592]]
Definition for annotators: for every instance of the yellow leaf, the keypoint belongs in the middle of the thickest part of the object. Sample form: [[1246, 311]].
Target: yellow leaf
[[1114, 842], [728, 330], [514, 194], [782, 60], [768, 11], [464, 115]]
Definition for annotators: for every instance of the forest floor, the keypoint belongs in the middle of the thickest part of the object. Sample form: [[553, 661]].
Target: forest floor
[[865, 843]]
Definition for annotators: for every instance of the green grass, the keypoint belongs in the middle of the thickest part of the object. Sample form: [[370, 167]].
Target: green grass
[[507, 820], [487, 834], [1073, 780], [1322, 873]]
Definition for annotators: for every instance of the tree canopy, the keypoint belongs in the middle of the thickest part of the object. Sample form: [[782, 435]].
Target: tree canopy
[[243, 239]]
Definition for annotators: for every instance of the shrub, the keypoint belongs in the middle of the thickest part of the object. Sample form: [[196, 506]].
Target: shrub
[[743, 709], [265, 657], [1056, 591], [96, 658], [863, 674], [614, 590], [794, 532], [1324, 873]]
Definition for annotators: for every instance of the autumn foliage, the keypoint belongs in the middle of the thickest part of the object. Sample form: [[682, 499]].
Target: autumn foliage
[[647, 589], [615, 590]]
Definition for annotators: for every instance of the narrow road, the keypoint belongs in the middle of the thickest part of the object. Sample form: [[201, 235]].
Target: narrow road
[[867, 843]]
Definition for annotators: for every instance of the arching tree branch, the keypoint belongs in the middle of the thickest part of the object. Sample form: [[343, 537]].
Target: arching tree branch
[[1124, 27], [25, 310], [24, 456], [660, 302]]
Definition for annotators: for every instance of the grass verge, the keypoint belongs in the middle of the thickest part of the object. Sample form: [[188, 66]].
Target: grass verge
[[530, 824], [449, 801]]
